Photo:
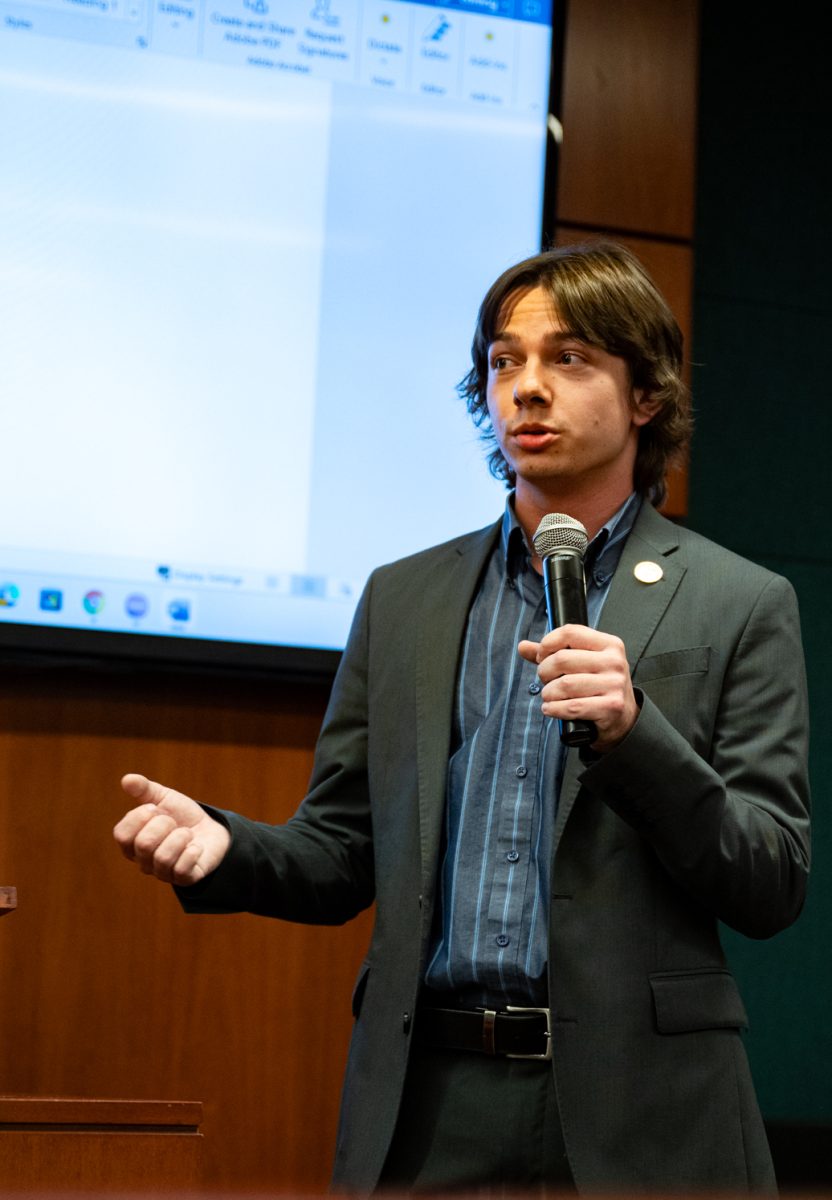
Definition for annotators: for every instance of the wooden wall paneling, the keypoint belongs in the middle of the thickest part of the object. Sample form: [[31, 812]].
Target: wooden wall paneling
[[117, 992], [629, 116], [628, 159]]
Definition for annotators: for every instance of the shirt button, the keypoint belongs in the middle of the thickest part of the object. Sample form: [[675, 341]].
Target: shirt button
[[521, 772], [502, 939], [512, 856], [534, 688]]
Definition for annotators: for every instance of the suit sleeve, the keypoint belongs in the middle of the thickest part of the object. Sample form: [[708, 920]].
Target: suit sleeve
[[732, 828], [318, 867]]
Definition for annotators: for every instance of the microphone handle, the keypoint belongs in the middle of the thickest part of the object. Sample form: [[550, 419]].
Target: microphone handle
[[565, 590]]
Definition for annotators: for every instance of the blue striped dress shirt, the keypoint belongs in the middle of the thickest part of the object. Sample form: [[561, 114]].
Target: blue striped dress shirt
[[490, 939]]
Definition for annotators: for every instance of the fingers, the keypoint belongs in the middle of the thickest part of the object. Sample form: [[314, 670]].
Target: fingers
[[598, 698], [575, 650], [159, 846], [563, 638], [169, 835], [586, 677], [607, 663], [158, 840], [575, 637], [130, 825], [174, 858]]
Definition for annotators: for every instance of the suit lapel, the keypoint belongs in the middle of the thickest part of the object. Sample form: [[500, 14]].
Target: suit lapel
[[448, 587], [632, 612]]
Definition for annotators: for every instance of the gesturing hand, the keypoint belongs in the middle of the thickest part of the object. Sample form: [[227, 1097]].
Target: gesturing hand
[[168, 834], [586, 677]]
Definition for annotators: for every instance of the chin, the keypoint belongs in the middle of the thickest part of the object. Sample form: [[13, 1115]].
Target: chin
[[539, 474]]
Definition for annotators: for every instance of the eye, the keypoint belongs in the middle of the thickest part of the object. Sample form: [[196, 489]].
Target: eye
[[570, 358], [499, 362]]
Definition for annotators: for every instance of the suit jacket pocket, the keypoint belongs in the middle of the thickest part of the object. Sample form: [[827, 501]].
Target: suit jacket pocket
[[692, 661], [360, 988], [687, 1001]]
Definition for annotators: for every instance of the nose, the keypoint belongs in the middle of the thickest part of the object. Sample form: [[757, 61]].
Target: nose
[[530, 387]]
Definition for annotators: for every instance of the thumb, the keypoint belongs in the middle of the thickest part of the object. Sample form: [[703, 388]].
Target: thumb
[[142, 789], [528, 650]]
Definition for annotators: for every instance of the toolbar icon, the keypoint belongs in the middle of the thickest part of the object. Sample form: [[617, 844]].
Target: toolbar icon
[[51, 599], [94, 602], [136, 605], [437, 30], [323, 12], [179, 610]]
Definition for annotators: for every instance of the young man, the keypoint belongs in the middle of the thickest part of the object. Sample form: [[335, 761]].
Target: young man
[[545, 999]]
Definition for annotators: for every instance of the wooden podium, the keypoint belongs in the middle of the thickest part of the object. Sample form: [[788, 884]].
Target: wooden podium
[[51, 1144], [145, 1147]]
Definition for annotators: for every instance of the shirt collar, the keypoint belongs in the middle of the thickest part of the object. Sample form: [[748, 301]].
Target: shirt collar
[[602, 553]]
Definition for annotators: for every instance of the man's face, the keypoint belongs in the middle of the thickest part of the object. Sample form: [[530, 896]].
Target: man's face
[[564, 412]]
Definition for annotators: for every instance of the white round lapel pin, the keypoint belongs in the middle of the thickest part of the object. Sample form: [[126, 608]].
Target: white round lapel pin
[[648, 572]]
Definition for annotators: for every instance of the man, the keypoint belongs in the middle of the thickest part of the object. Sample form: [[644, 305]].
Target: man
[[545, 1000]]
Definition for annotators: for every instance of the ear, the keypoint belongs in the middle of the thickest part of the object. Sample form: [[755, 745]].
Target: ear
[[644, 407]]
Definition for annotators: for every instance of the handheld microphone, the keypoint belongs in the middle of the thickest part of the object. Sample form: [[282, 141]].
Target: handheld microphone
[[561, 542]]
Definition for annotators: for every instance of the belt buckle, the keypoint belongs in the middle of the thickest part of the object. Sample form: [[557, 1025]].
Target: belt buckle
[[547, 1055]]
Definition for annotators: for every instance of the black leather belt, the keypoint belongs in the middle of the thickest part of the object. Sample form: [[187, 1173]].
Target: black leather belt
[[510, 1032]]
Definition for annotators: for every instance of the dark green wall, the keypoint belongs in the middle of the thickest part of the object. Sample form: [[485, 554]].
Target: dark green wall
[[761, 473]]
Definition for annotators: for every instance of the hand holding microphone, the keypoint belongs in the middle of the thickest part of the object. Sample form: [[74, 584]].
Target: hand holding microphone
[[585, 673]]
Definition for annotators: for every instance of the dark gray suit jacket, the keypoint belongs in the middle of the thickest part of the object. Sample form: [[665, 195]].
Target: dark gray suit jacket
[[699, 815]]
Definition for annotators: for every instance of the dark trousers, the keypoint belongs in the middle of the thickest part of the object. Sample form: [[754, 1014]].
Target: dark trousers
[[470, 1122]]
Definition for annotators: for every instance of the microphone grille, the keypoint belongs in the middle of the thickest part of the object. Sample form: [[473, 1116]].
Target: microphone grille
[[557, 531]]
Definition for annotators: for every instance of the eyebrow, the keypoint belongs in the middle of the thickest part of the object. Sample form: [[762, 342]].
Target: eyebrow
[[563, 335]]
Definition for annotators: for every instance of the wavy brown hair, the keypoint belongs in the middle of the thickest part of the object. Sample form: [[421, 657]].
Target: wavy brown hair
[[604, 296]]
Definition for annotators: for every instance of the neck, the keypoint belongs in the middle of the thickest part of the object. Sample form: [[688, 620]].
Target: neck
[[593, 510]]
